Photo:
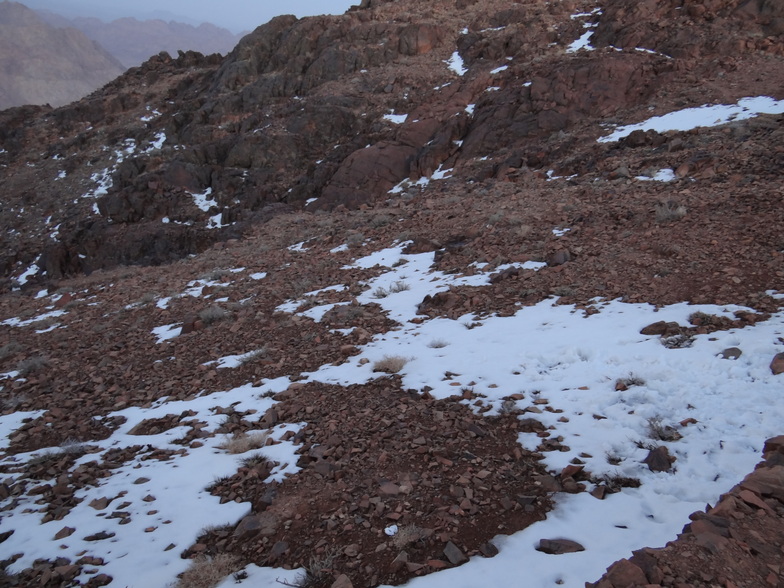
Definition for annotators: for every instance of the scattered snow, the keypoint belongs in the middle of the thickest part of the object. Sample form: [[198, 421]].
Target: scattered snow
[[702, 116], [214, 222], [441, 174], [554, 354], [663, 175], [170, 508], [28, 273], [11, 422], [559, 354], [582, 43], [166, 332], [470, 108], [258, 276], [157, 143], [61, 175], [153, 114], [203, 201], [298, 246], [339, 248], [397, 119], [499, 69], [560, 232], [455, 63], [311, 200]]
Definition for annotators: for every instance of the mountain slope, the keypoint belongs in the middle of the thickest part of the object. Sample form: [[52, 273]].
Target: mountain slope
[[40, 64], [446, 293]]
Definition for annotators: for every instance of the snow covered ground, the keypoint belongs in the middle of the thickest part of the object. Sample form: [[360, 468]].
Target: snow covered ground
[[564, 364]]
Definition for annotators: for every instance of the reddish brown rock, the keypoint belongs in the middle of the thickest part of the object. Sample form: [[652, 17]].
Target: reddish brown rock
[[659, 459], [777, 364]]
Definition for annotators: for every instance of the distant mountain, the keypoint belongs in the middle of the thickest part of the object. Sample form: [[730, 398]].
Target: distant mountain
[[42, 64], [132, 41]]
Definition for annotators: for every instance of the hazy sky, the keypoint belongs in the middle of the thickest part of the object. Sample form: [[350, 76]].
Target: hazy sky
[[236, 15]]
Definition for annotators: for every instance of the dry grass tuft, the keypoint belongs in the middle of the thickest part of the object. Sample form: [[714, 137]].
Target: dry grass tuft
[[242, 442], [407, 535], [213, 314], [390, 364], [669, 211], [32, 365], [208, 572]]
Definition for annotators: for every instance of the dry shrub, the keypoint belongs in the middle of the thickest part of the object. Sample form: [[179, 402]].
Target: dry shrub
[[9, 349], [669, 211], [407, 535], [242, 442], [32, 365], [208, 572], [390, 364], [213, 314]]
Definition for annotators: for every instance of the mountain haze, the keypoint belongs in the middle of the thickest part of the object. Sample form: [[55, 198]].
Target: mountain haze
[[133, 41], [41, 64]]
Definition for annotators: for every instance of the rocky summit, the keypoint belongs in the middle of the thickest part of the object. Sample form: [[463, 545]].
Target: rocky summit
[[408, 295]]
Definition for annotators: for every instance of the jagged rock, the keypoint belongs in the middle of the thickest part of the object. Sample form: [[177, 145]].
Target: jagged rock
[[263, 524], [777, 364], [731, 353], [454, 554], [342, 581], [659, 459], [558, 546]]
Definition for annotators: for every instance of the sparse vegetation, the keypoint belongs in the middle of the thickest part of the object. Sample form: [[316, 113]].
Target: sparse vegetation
[[659, 431], [73, 447], [395, 288], [564, 291], [615, 482], [680, 341], [207, 572], [32, 365], [628, 382], [613, 458], [380, 220], [9, 349], [355, 239], [508, 406], [407, 535], [390, 364], [318, 569], [243, 442], [438, 344], [380, 293], [669, 211], [217, 483], [215, 275], [254, 460], [213, 314]]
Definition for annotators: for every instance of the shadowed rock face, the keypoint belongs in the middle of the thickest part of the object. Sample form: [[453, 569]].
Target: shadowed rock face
[[40, 64], [296, 113]]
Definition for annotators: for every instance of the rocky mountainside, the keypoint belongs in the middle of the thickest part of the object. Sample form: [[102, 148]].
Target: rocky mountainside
[[132, 41], [41, 64], [212, 248]]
